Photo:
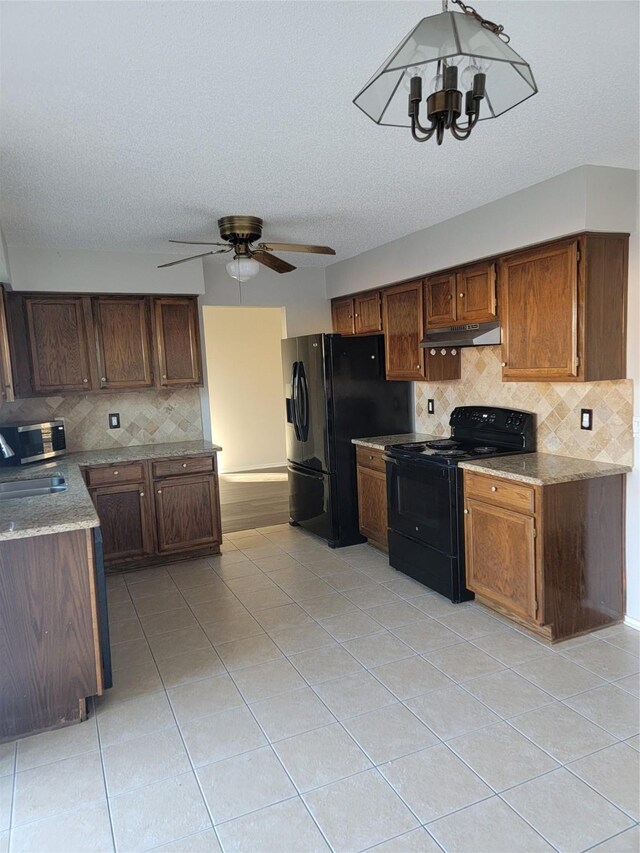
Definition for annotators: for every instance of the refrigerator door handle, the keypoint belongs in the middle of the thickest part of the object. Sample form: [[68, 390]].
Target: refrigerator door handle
[[318, 475], [304, 408], [294, 401]]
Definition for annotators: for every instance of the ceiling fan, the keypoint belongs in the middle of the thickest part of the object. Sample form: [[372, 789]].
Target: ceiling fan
[[241, 234]]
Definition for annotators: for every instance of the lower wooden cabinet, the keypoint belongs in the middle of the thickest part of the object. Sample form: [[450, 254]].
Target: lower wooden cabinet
[[372, 496], [187, 513], [549, 557], [157, 511]]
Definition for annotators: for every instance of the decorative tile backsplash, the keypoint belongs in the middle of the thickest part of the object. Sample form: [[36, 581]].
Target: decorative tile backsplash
[[146, 417], [556, 404]]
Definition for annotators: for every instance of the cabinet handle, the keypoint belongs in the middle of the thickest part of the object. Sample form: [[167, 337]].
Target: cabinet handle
[[466, 512], [115, 473], [494, 488], [184, 464], [85, 381], [159, 491]]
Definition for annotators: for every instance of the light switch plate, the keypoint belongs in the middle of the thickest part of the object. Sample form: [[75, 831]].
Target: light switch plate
[[586, 418], [114, 420], [430, 407]]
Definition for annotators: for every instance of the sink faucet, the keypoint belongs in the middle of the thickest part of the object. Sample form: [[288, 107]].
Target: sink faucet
[[5, 450]]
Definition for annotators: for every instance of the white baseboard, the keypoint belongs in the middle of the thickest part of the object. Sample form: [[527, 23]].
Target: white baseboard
[[632, 623], [257, 467]]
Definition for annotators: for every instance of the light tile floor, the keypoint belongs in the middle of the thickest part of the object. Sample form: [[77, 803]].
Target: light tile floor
[[286, 698]]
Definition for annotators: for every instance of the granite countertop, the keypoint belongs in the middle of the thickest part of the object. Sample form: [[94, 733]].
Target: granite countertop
[[381, 442], [544, 469], [73, 509]]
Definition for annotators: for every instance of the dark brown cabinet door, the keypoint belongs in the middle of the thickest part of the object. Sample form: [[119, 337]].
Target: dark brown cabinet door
[[476, 294], [343, 321], [58, 340], [177, 340], [372, 505], [368, 314], [6, 375], [125, 519], [539, 313], [187, 513], [500, 557], [440, 300], [403, 330], [123, 337]]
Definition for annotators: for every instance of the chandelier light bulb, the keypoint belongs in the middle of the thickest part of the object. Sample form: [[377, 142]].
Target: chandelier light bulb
[[242, 269], [436, 83]]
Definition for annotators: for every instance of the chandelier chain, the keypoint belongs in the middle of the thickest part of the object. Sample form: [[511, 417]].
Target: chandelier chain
[[498, 29]]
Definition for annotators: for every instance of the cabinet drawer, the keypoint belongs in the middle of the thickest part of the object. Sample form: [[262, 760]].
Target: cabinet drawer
[[506, 493], [370, 458], [190, 465], [107, 475]]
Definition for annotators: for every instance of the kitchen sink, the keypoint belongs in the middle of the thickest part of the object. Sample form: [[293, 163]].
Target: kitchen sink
[[31, 488]]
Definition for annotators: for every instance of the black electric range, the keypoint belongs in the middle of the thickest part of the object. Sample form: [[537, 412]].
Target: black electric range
[[424, 492]]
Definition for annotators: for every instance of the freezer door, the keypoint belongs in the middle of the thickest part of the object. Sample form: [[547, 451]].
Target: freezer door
[[312, 502]]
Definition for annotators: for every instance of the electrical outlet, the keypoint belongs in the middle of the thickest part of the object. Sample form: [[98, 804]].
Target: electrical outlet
[[430, 407], [114, 420], [586, 418]]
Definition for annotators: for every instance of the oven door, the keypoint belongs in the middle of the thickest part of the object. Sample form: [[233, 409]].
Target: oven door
[[421, 503]]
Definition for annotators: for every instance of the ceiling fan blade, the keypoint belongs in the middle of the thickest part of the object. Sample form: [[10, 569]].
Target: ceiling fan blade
[[297, 247], [271, 261], [197, 243], [192, 258]]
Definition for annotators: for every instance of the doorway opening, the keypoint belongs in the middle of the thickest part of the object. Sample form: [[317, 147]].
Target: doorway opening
[[246, 400]]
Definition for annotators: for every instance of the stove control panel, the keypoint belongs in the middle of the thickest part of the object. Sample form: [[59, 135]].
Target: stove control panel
[[465, 421]]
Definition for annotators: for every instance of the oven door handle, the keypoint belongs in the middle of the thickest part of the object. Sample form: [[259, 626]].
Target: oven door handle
[[389, 459]]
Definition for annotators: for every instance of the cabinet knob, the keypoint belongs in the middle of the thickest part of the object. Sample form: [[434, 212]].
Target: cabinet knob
[[417, 367], [184, 464], [370, 457], [141, 494], [466, 512], [115, 473], [462, 296], [85, 381], [103, 379], [494, 488], [357, 315], [159, 491], [164, 375], [443, 352], [504, 363]]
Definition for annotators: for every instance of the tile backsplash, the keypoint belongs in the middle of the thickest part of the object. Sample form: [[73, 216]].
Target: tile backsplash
[[556, 404], [146, 417]]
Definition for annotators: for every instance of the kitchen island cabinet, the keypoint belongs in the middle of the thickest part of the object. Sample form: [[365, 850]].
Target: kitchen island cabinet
[[49, 641], [544, 541]]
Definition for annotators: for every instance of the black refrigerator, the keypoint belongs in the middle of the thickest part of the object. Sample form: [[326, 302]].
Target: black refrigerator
[[335, 390]]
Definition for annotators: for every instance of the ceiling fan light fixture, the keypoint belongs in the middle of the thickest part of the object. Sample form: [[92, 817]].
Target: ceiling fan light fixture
[[493, 77], [242, 269]]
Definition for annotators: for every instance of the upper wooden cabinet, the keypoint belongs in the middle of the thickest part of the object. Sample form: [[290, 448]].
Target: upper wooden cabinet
[[58, 338], [124, 342], [403, 330], [563, 310], [92, 343], [467, 295], [343, 321], [403, 319], [177, 340], [6, 377], [357, 315]]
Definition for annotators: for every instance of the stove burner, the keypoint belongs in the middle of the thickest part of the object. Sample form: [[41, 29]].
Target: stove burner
[[450, 454], [442, 443], [485, 449]]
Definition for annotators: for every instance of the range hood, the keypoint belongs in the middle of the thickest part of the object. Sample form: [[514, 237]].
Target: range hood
[[468, 335]]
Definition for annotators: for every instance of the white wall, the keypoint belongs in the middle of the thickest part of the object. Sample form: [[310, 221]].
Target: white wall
[[246, 397], [86, 271], [301, 293], [590, 197]]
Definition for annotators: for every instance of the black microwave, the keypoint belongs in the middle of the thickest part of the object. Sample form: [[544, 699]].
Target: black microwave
[[24, 442]]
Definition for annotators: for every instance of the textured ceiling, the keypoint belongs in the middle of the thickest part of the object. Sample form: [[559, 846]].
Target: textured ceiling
[[124, 124]]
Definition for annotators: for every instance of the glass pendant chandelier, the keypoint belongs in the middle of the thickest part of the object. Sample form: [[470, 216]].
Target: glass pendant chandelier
[[465, 64]]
